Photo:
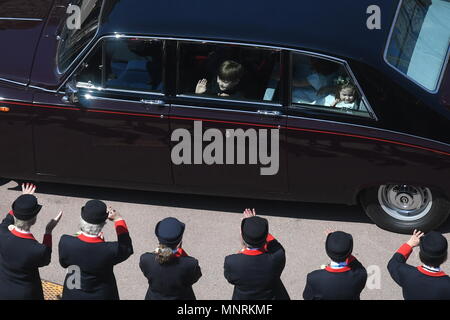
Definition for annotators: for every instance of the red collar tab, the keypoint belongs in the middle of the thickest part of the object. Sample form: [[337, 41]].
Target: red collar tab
[[180, 253], [85, 238], [431, 274], [22, 235], [269, 238], [253, 252], [337, 270], [350, 259], [256, 252]]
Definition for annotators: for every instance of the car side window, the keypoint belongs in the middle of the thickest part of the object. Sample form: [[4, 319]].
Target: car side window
[[229, 71], [325, 85], [126, 65]]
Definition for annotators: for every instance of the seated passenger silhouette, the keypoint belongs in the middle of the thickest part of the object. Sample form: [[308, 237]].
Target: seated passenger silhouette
[[313, 79]]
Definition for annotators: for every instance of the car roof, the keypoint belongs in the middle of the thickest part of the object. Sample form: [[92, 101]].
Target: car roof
[[331, 27]]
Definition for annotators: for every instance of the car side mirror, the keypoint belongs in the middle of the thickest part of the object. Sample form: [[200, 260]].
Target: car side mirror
[[70, 93]]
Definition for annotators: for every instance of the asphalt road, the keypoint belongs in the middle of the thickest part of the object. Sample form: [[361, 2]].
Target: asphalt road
[[212, 232]]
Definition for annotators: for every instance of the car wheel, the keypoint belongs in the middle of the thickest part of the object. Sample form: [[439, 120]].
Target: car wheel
[[403, 208]]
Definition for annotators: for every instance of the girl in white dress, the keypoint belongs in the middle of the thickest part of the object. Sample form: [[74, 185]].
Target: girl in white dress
[[345, 96]]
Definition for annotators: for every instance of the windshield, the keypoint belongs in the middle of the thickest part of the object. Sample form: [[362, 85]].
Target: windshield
[[72, 39], [420, 39]]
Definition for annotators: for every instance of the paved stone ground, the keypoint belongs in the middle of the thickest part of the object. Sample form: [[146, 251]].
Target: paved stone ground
[[212, 232]]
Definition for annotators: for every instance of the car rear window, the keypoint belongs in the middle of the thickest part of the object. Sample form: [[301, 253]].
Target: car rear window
[[419, 43], [73, 41]]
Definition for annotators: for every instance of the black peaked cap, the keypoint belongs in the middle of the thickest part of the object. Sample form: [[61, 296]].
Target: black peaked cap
[[169, 231]]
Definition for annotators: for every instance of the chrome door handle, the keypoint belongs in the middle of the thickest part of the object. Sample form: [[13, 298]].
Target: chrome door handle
[[153, 102], [269, 113]]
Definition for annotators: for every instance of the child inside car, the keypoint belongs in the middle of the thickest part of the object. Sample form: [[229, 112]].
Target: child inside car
[[228, 81], [345, 96]]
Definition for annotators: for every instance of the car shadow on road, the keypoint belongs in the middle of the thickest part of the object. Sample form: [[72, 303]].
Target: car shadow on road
[[277, 208], [289, 209]]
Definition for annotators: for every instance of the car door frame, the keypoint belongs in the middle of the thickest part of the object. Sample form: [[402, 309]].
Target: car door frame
[[147, 109], [211, 111]]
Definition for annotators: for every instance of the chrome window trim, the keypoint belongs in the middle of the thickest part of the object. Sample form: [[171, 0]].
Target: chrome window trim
[[111, 99], [85, 85], [249, 102], [179, 105], [14, 82], [309, 53], [444, 67], [6, 100], [84, 49], [43, 89], [133, 91], [326, 110], [371, 128], [219, 109], [21, 19]]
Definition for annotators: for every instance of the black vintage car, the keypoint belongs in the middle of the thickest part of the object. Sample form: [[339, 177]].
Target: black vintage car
[[359, 92]]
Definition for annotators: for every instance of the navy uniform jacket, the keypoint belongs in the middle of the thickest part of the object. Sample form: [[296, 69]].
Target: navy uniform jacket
[[256, 274], [21, 256], [417, 283], [336, 284], [96, 260], [172, 280]]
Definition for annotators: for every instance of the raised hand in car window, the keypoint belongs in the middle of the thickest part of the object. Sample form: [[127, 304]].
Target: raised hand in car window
[[201, 86]]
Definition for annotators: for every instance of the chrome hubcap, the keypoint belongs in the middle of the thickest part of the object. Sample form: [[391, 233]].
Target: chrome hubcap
[[405, 202]]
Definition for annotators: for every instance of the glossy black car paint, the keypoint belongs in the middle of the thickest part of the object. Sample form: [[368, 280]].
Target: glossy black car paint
[[324, 157], [20, 36]]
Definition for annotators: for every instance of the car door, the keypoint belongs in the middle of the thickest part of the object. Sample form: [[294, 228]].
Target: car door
[[110, 126], [229, 141], [16, 131], [20, 29]]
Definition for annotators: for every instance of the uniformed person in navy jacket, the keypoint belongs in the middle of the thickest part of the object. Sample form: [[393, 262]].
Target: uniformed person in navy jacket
[[343, 279], [21, 255], [426, 282], [256, 270], [93, 256], [169, 270]]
